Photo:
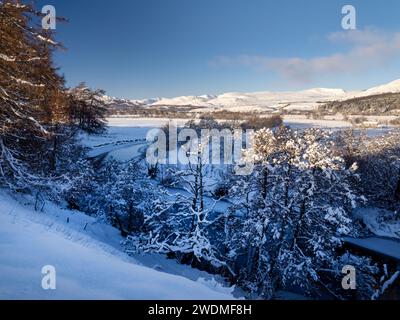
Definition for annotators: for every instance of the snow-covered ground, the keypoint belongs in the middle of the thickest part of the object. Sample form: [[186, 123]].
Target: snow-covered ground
[[116, 134], [300, 122], [125, 138], [146, 123], [88, 260]]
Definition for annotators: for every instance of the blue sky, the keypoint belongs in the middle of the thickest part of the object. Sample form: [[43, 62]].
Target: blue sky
[[151, 48]]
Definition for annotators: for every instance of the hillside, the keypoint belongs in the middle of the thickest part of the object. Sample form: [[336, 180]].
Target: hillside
[[89, 263], [391, 87], [378, 104], [383, 98], [267, 102]]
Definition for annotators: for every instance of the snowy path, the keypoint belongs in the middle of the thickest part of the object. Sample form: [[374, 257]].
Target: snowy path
[[86, 267]]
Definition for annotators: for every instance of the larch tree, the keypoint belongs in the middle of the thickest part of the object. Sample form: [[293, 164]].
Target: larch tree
[[88, 109], [31, 94]]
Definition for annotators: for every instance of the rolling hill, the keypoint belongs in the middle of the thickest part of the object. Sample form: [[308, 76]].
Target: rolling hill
[[380, 99]]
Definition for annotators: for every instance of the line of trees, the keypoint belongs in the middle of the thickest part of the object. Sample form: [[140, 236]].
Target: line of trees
[[39, 116]]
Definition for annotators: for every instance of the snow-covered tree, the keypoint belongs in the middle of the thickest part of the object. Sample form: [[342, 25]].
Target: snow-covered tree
[[179, 222], [32, 97], [297, 212]]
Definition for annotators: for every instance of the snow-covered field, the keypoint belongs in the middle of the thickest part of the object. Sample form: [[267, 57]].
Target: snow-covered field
[[88, 260], [126, 122], [119, 126], [126, 136], [300, 122]]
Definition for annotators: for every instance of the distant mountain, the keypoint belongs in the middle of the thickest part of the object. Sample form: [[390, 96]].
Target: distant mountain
[[125, 106], [199, 101], [306, 100], [262, 101], [391, 87]]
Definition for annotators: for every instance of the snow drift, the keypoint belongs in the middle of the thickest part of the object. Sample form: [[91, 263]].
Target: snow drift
[[86, 267]]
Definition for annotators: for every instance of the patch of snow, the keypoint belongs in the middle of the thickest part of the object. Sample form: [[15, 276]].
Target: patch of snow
[[6, 58], [21, 81], [216, 286], [130, 122], [48, 40], [299, 122], [379, 221]]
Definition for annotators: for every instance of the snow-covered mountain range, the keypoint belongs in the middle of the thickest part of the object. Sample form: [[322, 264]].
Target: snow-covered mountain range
[[262, 101]]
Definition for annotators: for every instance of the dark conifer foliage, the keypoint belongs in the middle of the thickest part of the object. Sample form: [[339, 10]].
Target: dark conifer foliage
[[88, 109]]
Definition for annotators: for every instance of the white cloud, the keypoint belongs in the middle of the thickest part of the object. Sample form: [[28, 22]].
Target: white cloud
[[366, 49]]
